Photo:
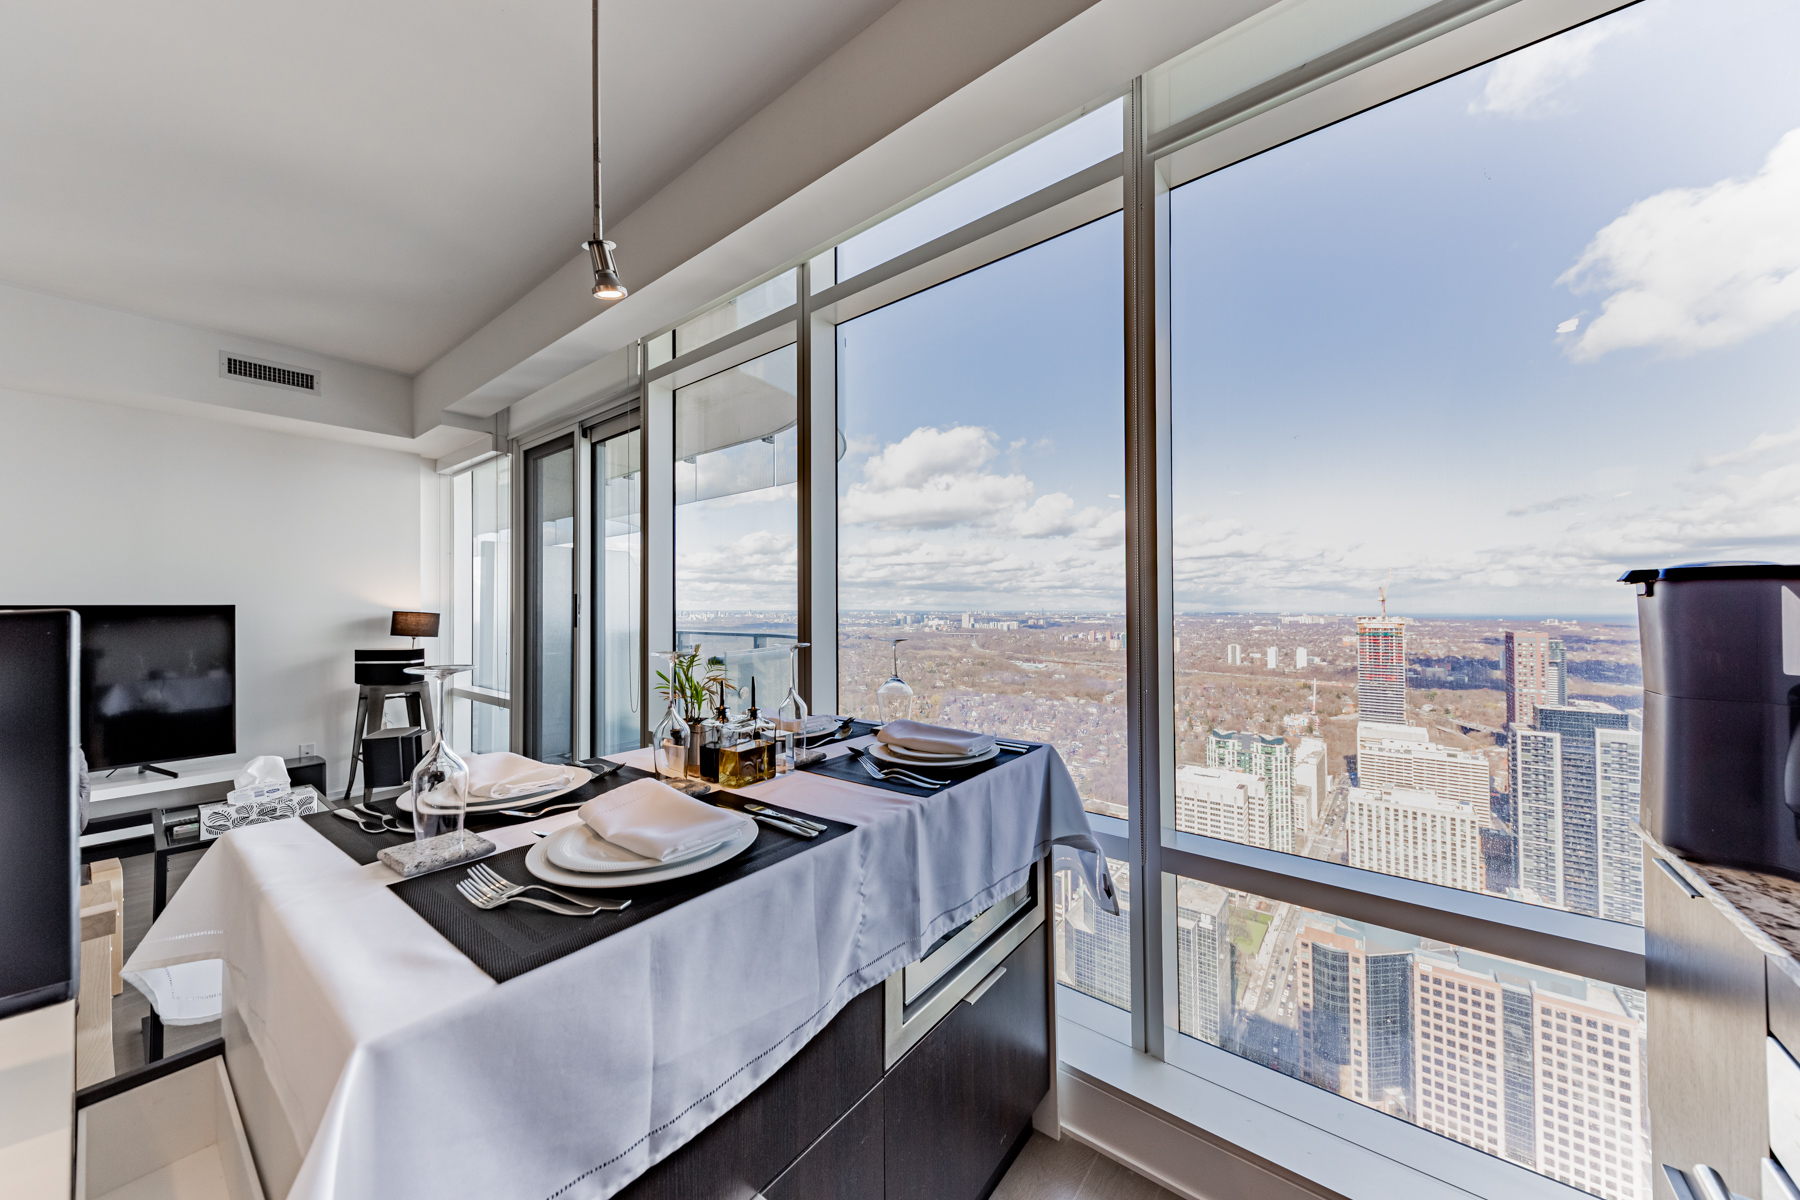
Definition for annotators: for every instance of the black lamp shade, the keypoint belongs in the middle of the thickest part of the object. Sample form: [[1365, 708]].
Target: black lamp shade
[[414, 625]]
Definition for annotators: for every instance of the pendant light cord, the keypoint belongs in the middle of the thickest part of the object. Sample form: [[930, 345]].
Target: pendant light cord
[[596, 98]]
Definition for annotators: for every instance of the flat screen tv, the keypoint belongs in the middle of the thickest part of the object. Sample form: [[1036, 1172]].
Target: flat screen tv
[[158, 682]]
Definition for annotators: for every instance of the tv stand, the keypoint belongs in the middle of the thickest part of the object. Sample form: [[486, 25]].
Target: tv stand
[[159, 770]]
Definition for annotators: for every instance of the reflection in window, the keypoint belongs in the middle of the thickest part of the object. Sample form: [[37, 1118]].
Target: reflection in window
[[979, 506], [480, 623], [1528, 1064], [745, 309], [618, 720], [737, 520], [550, 601], [1076, 146], [1434, 375]]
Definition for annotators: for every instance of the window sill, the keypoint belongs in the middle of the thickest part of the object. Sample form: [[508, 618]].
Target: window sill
[[1288, 1127]]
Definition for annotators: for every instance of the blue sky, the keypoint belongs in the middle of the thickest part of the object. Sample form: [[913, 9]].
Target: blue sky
[[1369, 379]]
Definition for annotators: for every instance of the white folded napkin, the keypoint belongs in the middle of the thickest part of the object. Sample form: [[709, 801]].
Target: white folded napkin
[[501, 776], [650, 818], [934, 739]]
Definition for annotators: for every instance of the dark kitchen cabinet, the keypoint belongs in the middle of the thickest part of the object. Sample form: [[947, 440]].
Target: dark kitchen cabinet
[[942, 1123], [960, 1102]]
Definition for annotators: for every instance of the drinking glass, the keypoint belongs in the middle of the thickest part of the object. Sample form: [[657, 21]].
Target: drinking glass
[[790, 718], [894, 698], [440, 783]]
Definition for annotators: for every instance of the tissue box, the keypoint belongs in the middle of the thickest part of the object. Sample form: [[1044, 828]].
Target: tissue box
[[232, 813]]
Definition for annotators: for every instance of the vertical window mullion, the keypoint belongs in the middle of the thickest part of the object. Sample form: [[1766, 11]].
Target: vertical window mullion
[[1149, 585]]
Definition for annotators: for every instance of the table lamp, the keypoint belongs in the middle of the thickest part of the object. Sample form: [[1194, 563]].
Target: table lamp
[[414, 625]]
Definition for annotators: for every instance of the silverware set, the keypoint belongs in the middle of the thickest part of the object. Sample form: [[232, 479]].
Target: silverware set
[[486, 888], [1015, 747], [371, 820], [786, 822], [892, 774]]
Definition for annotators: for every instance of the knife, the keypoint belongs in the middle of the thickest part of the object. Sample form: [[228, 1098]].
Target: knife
[[761, 808], [784, 826]]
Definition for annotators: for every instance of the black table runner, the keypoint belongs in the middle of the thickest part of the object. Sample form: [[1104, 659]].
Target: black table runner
[[847, 768], [508, 941]]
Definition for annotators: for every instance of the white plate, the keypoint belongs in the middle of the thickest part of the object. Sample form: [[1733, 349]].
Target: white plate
[[539, 864], [582, 775], [578, 848], [886, 754], [923, 755]]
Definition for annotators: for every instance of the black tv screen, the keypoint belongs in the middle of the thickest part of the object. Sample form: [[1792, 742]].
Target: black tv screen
[[158, 682]]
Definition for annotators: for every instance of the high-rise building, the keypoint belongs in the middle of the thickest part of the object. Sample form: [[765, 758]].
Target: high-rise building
[[1591, 1118], [1381, 670], [1416, 835], [1579, 811], [1203, 960], [1536, 673], [1355, 1013], [1310, 774], [1300, 659], [1518, 1074], [1459, 1043], [1618, 772], [1222, 803], [1096, 944], [1534, 769], [1455, 775], [1234, 655], [1271, 760], [1274, 658]]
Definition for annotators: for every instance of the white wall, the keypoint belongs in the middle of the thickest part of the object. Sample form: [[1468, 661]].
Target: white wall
[[315, 541]]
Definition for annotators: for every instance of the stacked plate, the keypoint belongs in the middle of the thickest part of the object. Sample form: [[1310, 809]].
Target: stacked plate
[[903, 756], [575, 856], [580, 776]]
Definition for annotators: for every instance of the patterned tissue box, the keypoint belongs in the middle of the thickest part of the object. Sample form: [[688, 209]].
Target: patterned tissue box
[[235, 811]]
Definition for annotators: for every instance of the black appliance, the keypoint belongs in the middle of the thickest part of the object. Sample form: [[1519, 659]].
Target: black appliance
[[158, 682], [38, 908], [1721, 770]]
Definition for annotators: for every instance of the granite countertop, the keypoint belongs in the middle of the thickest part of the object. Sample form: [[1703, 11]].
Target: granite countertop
[[1770, 902]]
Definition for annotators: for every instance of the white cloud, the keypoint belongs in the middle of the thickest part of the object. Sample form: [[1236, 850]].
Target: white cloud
[[1697, 268], [1544, 506], [934, 479], [1761, 444], [1525, 84], [1569, 325]]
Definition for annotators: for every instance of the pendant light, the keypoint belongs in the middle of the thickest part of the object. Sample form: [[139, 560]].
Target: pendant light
[[607, 284]]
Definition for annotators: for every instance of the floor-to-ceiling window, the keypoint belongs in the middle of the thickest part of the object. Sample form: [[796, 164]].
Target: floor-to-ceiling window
[[618, 690], [480, 618], [550, 600], [736, 516], [979, 512]]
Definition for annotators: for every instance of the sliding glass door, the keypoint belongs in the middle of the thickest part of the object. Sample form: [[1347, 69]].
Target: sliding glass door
[[550, 600], [617, 712]]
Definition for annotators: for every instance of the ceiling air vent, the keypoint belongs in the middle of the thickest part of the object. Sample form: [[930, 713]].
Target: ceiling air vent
[[252, 370]]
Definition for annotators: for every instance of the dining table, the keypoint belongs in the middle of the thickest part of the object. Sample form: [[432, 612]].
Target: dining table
[[383, 1042]]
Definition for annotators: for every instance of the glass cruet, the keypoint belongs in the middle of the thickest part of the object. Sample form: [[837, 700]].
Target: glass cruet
[[790, 717]]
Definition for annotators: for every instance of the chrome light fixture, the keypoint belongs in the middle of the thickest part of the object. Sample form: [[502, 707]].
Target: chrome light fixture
[[607, 284]]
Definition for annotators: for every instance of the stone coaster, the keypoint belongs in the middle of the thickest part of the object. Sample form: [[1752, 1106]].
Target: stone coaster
[[433, 854]]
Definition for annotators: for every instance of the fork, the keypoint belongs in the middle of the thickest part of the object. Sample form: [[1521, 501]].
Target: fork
[[918, 781], [486, 888]]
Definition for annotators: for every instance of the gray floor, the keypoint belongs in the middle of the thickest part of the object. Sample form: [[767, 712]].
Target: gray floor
[[1067, 1170], [129, 1006]]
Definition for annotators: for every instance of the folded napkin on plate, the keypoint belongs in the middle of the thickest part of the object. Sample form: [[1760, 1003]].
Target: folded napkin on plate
[[650, 818], [501, 776], [934, 739]]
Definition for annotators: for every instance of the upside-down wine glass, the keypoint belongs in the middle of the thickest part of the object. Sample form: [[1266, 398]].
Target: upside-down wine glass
[[894, 699], [440, 783]]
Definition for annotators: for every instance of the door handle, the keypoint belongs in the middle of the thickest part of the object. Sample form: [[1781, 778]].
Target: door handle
[[981, 989]]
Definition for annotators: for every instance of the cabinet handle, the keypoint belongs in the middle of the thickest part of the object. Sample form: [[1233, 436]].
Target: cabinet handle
[[981, 989]]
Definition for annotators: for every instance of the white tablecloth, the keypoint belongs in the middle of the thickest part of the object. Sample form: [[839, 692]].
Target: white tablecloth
[[402, 1070]]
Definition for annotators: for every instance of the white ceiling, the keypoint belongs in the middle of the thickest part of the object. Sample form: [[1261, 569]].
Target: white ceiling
[[368, 179]]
